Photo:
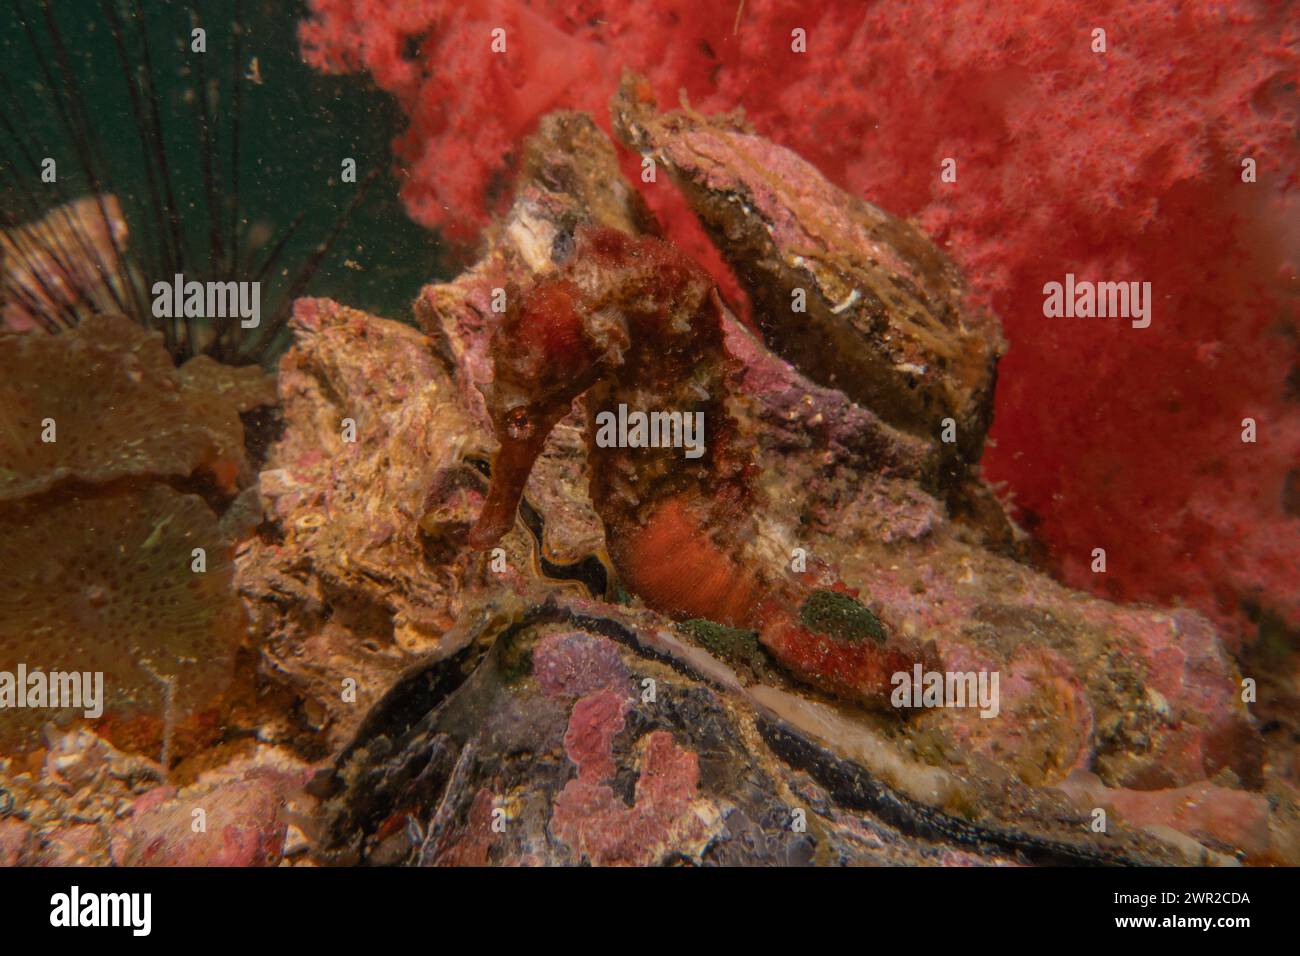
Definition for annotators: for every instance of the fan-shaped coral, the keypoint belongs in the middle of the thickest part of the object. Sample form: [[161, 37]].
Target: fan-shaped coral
[[63, 263]]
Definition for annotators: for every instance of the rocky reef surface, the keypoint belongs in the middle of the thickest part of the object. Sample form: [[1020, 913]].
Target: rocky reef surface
[[400, 698]]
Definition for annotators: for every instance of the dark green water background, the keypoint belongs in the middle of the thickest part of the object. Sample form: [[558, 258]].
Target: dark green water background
[[296, 128]]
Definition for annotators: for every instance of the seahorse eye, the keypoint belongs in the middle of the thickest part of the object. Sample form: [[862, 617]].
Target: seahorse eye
[[519, 424]]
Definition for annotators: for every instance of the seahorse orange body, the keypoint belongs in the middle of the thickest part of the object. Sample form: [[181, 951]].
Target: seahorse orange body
[[631, 320]]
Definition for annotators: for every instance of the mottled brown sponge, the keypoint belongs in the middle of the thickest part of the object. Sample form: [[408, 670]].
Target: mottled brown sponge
[[107, 583], [116, 407]]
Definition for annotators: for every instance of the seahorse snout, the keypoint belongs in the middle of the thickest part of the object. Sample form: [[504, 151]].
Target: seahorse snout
[[510, 473]]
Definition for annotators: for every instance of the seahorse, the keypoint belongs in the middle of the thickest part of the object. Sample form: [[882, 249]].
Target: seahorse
[[632, 320]]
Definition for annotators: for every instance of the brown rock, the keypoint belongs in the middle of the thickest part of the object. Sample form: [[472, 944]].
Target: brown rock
[[362, 571]]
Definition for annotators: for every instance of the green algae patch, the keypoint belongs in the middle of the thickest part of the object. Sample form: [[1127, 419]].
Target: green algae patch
[[516, 661], [840, 616], [734, 645]]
